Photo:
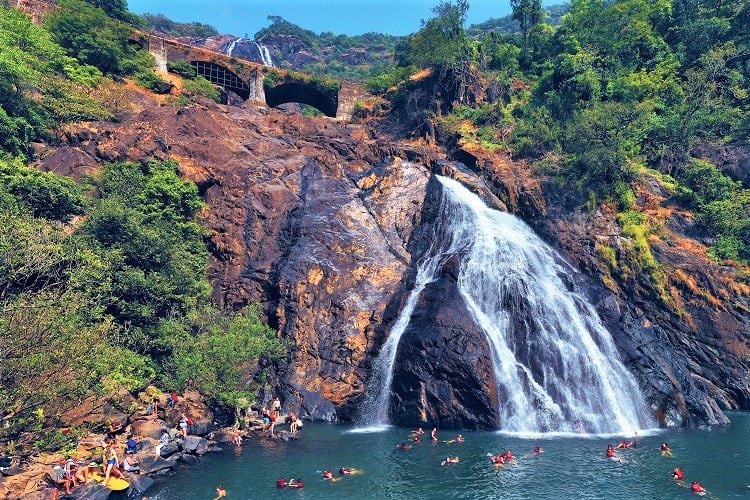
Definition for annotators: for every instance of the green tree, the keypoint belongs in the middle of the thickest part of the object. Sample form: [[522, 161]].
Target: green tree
[[442, 40], [90, 35], [218, 352], [144, 227], [529, 14]]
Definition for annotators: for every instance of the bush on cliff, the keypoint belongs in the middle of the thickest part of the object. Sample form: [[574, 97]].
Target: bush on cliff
[[116, 301]]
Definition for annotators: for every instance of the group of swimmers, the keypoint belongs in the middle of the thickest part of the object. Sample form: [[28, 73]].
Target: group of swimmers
[[677, 473]]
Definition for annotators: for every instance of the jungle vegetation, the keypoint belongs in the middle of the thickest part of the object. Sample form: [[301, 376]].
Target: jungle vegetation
[[101, 281]]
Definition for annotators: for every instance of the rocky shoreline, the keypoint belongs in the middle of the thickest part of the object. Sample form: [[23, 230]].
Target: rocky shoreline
[[30, 477]]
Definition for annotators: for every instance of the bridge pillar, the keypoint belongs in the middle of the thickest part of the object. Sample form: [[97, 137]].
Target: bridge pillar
[[157, 49], [349, 94], [255, 82]]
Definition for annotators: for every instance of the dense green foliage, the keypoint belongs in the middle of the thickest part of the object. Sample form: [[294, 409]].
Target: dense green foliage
[[40, 86], [615, 88], [116, 300]]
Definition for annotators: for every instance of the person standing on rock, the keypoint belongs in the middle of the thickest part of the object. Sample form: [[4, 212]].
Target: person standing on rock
[[112, 462], [183, 425], [277, 407], [293, 424], [433, 434]]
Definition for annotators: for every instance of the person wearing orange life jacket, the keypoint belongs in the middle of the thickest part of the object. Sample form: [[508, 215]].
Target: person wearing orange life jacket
[[677, 474], [696, 487]]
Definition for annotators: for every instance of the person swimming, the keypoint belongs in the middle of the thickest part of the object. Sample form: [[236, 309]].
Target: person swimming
[[611, 454], [281, 482], [665, 449], [404, 446], [696, 487], [537, 450], [327, 474], [677, 474], [295, 483], [347, 470], [449, 460], [498, 460]]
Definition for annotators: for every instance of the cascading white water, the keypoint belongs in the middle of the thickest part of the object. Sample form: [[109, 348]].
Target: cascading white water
[[231, 46], [265, 54], [555, 363]]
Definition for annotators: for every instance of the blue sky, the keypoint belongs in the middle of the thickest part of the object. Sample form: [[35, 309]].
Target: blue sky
[[342, 17]]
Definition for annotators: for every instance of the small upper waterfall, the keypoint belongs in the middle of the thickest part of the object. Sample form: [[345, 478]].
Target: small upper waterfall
[[231, 46], [555, 364], [265, 54]]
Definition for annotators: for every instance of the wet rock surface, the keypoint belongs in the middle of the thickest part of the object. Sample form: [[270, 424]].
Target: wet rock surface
[[318, 221]]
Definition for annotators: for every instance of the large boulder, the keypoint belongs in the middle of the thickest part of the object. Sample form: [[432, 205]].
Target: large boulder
[[90, 491], [150, 465], [195, 445], [443, 374], [139, 482]]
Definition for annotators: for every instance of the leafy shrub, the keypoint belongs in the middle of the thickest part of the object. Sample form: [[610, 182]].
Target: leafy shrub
[[201, 86], [182, 68]]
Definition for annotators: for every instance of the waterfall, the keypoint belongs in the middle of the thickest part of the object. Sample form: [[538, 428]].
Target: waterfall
[[231, 46], [265, 54], [555, 363]]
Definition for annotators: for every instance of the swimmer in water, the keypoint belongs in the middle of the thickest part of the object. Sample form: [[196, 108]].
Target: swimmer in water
[[696, 487], [295, 483], [449, 460], [327, 474], [677, 474]]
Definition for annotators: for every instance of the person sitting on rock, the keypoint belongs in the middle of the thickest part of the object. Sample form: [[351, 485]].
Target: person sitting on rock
[[131, 445], [82, 474], [163, 440], [59, 480], [130, 464], [61, 477]]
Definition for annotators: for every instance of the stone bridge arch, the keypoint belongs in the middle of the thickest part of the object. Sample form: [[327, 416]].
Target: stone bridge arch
[[254, 81], [301, 93]]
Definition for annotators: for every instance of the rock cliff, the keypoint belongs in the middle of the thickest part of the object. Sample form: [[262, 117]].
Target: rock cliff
[[319, 221]]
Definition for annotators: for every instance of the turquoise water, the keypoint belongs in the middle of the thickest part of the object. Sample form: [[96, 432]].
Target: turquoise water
[[570, 467]]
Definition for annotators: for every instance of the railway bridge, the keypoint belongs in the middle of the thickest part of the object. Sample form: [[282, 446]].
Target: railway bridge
[[253, 81]]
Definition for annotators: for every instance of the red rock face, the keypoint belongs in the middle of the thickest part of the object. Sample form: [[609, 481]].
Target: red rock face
[[315, 219]]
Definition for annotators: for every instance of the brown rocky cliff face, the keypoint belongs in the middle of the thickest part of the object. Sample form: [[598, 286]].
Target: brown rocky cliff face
[[318, 221]]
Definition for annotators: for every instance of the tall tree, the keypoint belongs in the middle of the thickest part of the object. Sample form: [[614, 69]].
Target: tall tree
[[528, 13], [443, 39]]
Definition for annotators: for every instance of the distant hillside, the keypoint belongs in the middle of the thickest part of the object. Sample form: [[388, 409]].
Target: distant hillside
[[293, 47]]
